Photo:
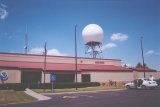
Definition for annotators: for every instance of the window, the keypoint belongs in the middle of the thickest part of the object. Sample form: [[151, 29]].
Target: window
[[86, 78], [65, 77]]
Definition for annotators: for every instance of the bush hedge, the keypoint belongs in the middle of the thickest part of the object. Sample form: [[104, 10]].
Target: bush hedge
[[22, 86]]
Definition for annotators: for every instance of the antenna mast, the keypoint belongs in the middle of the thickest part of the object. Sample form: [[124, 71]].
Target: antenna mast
[[26, 42]]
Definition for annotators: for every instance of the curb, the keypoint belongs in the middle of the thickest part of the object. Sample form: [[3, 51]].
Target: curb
[[97, 91]]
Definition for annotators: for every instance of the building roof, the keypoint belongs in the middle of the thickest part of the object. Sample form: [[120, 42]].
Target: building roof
[[5, 53], [64, 67], [29, 63], [37, 65], [142, 69], [103, 68]]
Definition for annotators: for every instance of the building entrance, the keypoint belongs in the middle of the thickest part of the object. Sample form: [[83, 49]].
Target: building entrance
[[30, 77]]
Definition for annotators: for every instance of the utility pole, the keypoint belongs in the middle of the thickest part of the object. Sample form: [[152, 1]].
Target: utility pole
[[143, 56], [44, 70], [76, 55]]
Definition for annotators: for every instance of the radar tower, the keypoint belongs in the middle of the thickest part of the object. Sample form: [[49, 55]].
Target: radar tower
[[93, 35]]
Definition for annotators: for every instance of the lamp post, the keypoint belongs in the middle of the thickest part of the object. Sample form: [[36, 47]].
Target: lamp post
[[76, 55], [143, 56]]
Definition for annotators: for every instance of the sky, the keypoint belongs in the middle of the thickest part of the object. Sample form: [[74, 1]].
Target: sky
[[53, 21]]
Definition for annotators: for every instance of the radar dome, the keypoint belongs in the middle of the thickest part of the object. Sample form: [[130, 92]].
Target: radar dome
[[92, 33]]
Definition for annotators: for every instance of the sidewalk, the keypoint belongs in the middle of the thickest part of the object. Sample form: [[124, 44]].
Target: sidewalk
[[36, 95]]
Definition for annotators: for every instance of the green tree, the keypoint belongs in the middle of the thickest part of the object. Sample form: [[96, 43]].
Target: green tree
[[139, 65], [125, 66], [145, 65]]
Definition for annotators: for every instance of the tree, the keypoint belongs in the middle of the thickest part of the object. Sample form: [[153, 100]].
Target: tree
[[125, 65], [139, 65], [145, 65]]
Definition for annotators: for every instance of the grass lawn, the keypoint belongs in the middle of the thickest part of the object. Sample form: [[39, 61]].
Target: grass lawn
[[79, 89], [11, 96]]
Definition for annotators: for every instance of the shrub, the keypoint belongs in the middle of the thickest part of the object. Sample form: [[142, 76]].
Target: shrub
[[61, 85], [14, 86], [56, 85], [19, 87]]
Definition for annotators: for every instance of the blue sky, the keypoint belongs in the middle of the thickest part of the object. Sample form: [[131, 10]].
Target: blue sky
[[53, 21]]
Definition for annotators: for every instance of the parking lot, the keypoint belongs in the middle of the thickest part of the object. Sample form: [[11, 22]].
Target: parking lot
[[122, 98]]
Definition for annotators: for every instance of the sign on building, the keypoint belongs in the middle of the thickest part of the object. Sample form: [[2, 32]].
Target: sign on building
[[3, 75], [53, 77]]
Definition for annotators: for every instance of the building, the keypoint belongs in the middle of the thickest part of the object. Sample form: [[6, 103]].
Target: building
[[29, 68]]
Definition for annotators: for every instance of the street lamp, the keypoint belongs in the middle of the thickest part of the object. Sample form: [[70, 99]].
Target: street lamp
[[142, 56]]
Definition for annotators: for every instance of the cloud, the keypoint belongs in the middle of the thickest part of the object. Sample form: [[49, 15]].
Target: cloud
[[108, 46], [3, 12], [40, 51], [55, 52], [157, 53], [36, 51], [95, 49], [104, 47], [152, 52], [12, 51], [3, 5], [118, 37]]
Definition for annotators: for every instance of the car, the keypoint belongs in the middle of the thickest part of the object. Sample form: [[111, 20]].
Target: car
[[141, 83]]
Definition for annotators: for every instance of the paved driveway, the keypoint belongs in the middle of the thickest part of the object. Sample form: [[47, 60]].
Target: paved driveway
[[123, 98]]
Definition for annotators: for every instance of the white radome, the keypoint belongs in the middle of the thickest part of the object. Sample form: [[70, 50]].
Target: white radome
[[92, 33]]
